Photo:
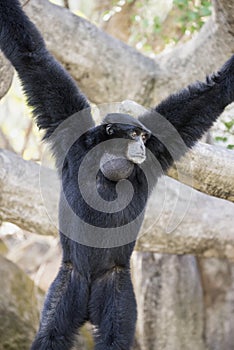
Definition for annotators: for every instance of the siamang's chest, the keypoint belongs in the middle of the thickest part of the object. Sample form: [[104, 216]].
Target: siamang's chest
[[101, 213], [104, 203]]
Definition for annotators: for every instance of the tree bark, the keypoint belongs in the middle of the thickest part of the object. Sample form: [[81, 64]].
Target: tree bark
[[170, 302], [104, 67], [199, 225], [6, 74], [209, 169], [21, 202], [217, 279], [108, 70], [183, 302]]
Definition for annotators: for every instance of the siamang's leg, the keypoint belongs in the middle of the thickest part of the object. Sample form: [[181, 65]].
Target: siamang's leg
[[65, 310], [112, 309]]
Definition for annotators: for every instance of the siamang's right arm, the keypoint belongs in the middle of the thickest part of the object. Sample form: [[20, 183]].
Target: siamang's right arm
[[51, 92]]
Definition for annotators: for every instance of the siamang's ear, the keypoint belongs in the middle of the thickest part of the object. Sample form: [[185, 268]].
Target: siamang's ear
[[109, 129]]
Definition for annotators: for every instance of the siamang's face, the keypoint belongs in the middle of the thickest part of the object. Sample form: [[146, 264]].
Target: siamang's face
[[135, 150]]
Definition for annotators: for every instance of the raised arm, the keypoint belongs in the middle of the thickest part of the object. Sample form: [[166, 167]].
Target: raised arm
[[50, 90], [191, 111]]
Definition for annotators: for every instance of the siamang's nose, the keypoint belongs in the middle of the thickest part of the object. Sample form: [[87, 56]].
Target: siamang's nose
[[142, 146]]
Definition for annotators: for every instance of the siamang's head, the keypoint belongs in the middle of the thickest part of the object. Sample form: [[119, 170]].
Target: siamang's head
[[128, 149]]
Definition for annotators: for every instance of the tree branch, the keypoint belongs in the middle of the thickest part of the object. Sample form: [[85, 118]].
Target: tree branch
[[21, 202], [212, 170], [203, 230], [108, 70], [6, 74], [96, 60], [205, 53], [206, 230]]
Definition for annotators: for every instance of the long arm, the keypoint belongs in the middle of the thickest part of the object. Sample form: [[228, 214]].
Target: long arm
[[50, 90], [191, 111]]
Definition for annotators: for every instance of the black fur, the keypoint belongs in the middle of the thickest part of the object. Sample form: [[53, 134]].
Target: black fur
[[94, 283], [191, 111]]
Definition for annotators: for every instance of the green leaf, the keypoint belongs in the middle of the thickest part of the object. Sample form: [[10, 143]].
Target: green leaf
[[157, 25], [221, 138], [205, 11], [180, 2], [229, 125], [230, 147]]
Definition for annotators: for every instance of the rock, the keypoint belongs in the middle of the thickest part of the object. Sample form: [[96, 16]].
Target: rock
[[19, 299]]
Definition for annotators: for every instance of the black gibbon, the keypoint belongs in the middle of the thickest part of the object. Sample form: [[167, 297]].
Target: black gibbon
[[94, 283]]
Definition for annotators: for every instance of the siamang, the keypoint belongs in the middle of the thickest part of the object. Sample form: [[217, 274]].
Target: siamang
[[94, 283]]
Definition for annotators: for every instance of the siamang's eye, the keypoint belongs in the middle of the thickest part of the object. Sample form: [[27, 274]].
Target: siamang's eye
[[109, 129], [144, 137]]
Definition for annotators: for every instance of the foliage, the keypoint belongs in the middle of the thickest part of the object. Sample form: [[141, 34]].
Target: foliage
[[155, 25], [193, 14], [224, 135], [153, 33], [148, 28]]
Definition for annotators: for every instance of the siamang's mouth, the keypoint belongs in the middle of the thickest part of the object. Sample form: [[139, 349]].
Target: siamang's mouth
[[137, 158]]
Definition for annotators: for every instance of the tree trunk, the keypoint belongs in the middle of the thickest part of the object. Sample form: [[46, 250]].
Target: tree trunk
[[183, 303], [170, 302]]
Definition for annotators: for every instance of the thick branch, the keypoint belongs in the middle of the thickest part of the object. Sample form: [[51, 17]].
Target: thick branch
[[205, 53], [105, 68], [108, 70], [212, 170], [207, 228], [20, 194], [6, 75]]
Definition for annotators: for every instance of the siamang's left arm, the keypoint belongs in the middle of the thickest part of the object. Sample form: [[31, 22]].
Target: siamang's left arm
[[191, 111]]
